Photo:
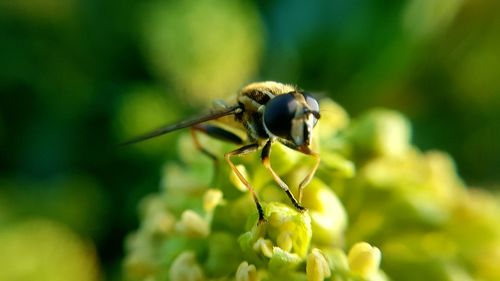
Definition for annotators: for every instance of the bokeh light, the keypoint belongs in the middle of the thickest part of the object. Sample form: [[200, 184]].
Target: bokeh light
[[206, 50]]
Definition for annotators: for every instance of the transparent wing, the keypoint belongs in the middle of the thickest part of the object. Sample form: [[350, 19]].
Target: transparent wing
[[184, 124]]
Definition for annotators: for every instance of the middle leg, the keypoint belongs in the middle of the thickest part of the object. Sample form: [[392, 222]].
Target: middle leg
[[238, 152]]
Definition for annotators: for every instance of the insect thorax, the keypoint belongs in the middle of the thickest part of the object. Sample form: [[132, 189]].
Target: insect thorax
[[253, 97]]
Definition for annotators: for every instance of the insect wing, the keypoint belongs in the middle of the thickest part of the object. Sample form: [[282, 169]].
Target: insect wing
[[184, 124]]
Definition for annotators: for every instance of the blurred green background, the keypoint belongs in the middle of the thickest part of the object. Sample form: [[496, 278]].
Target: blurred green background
[[78, 76]]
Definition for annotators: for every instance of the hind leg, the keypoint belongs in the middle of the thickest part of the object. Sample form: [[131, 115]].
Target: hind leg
[[215, 132]]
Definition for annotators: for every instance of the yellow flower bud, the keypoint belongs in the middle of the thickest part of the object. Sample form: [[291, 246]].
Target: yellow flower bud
[[284, 241], [381, 132], [192, 225], [186, 268], [159, 223], [317, 268], [211, 199], [246, 272], [285, 221], [264, 246], [328, 216], [364, 259]]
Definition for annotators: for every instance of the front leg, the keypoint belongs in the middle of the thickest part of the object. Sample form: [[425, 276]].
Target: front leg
[[307, 151], [309, 176], [266, 153]]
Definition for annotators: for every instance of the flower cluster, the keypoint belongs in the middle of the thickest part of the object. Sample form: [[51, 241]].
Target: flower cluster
[[374, 195]]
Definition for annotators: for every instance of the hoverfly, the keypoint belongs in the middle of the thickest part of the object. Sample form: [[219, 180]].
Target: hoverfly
[[268, 112]]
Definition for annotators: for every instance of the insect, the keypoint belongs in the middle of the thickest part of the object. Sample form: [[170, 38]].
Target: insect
[[268, 112]]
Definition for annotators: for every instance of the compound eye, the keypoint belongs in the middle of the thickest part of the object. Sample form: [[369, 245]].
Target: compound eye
[[279, 113]]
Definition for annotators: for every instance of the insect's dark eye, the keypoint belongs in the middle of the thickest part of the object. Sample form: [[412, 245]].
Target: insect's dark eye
[[279, 113]]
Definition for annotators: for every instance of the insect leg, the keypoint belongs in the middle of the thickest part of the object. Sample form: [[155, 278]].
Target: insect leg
[[266, 152], [219, 133], [198, 145], [238, 152], [215, 132], [309, 176]]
